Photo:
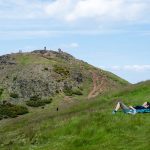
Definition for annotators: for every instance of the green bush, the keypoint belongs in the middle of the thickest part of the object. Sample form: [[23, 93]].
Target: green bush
[[77, 92], [20, 110], [14, 78], [47, 101], [68, 92], [1, 91], [62, 70], [38, 102], [14, 95], [81, 88], [35, 98], [1, 117], [46, 69], [62, 78], [9, 110]]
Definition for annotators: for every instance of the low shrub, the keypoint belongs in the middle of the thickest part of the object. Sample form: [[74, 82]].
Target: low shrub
[[46, 69], [38, 102], [1, 91], [68, 92], [1, 117], [20, 110], [9, 110], [81, 88], [35, 98], [77, 92], [57, 91], [14, 78], [47, 101], [14, 95], [62, 70], [62, 78]]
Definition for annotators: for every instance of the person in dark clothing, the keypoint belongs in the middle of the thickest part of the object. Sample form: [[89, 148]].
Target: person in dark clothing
[[57, 108], [132, 109]]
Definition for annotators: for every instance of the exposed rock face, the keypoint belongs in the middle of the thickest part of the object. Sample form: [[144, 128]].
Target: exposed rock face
[[78, 77], [28, 88], [36, 79], [52, 54], [7, 60], [40, 51]]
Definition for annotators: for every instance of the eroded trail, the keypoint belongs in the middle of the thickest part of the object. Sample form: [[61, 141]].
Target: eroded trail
[[98, 85]]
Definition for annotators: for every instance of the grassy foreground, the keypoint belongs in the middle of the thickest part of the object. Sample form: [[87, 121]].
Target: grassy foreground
[[87, 126]]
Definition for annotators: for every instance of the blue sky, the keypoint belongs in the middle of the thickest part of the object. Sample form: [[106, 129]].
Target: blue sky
[[110, 34]]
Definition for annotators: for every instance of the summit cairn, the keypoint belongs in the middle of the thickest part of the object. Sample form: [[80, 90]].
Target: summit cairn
[[59, 50], [20, 51]]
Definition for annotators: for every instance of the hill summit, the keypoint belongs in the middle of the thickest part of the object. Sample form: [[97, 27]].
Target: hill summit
[[45, 73]]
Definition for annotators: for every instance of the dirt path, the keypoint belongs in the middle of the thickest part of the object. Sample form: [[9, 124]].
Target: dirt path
[[98, 85]]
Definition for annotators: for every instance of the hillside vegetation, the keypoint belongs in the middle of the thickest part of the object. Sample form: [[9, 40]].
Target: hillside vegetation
[[88, 125], [67, 105], [45, 74]]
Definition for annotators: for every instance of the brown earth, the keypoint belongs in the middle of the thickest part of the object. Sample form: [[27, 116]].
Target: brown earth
[[99, 85]]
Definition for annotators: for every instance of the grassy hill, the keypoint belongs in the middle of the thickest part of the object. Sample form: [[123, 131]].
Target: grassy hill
[[47, 73], [34, 80], [84, 125]]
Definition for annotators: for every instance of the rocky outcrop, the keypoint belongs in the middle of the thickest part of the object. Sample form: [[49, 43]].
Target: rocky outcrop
[[7, 60], [52, 54]]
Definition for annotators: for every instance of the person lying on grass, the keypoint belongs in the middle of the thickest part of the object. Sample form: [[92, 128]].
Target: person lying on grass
[[130, 109]]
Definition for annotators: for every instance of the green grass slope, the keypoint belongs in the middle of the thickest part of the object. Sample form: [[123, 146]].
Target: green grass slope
[[88, 125]]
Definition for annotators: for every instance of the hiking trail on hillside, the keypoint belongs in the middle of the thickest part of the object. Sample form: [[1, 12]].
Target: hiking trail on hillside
[[99, 83]]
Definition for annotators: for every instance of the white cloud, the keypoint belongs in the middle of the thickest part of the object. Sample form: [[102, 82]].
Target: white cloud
[[72, 45], [58, 8], [74, 10], [29, 34], [22, 9], [116, 67], [137, 68], [133, 68], [101, 10], [107, 9], [25, 18]]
